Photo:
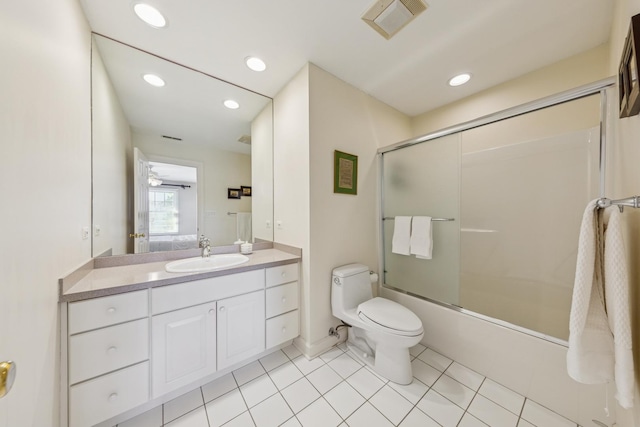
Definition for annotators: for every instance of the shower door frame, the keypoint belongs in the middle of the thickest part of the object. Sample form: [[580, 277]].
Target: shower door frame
[[584, 91]]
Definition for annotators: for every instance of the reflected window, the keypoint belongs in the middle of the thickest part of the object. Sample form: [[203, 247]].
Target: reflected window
[[163, 211]]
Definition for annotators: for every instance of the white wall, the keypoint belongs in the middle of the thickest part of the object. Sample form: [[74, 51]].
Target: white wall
[[112, 159], [46, 176]]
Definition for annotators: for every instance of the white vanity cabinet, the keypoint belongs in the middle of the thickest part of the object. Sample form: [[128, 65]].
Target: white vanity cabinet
[[125, 350]]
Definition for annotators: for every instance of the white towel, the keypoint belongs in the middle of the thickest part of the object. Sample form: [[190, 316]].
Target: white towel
[[421, 237], [599, 324], [243, 226], [401, 235]]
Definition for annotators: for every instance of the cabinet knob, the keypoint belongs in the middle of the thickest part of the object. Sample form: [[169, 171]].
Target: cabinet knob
[[284, 274], [284, 299], [212, 311], [222, 308], [112, 350], [113, 397], [111, 310], [284, 330]]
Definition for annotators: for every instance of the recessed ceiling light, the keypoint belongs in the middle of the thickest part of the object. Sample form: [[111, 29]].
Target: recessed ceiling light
[[150, 15], [256, 64], [460, 79], [230, 103], [153, 80]]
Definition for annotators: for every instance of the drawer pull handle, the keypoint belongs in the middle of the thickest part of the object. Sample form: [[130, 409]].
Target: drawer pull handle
[[111, 310], [222, 308], [112, 349], [212, 311], [113, 397]]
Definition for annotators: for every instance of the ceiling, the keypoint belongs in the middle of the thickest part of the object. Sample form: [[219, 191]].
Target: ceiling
[[494, 40]]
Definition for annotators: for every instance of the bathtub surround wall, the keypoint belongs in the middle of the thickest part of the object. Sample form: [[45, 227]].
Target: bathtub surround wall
[[314, 115], [46, 174]]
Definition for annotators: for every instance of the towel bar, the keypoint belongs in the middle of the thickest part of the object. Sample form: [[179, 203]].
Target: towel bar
[[432, 219]]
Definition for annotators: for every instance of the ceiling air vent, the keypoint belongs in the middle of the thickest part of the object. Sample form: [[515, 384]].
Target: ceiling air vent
[[388, 17]]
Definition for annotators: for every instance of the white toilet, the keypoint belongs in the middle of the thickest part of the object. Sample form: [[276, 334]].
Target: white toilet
[[382, 331]]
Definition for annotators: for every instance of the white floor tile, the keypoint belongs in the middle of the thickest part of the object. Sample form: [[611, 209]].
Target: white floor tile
[[300, 394], [438, 361], [285, 375], [292, 422], [307, 366], [469, 420], [380, 377], [416, 350], [217, 388], [424, 372], [324, 379], [331, 354], [540, 416], [524, 423], [225, 408], [248, 372], [344, 365], [367, 416], [319, 414], [492, 413], [464, 375], [255, 391], [242, 420], [152, 418], [454, 391], [181, 405], [273, 360], [291, 351], [272, 412], [343, 346], [197, 418], [445, 412], [391, 404], [365, 383], [344, 399], [502, 396], [417, 418], [412, 392]]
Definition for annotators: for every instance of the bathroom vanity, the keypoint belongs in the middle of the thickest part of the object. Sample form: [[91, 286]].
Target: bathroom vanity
[[134, 334]]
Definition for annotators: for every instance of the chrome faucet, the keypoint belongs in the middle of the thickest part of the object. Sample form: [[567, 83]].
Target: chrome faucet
[[205, 244]]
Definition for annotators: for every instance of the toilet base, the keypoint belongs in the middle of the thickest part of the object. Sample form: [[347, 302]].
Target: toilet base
[[390, 362]]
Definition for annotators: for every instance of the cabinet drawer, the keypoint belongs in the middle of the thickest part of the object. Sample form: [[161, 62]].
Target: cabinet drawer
[[282, 328], [173, 297], [104, 397], [104, 350], [281, 299], [282, 274], [105, 311]]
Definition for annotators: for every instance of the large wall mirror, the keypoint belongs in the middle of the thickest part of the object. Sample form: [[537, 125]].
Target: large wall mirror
[[171, 162]]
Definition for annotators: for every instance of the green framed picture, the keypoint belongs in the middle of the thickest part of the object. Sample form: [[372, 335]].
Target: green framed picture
[[345, 173]]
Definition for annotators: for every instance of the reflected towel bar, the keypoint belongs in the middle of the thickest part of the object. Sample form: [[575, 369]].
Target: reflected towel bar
[[632, 202], [232, 213], [432, 219]]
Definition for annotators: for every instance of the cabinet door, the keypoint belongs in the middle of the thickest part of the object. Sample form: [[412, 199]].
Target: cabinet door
[[241, 332], [183, 347]]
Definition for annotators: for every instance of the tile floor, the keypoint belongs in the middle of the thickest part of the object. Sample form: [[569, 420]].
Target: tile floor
[[334, 389]]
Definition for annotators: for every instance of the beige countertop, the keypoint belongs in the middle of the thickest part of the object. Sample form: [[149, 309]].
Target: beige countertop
[[99, 282]]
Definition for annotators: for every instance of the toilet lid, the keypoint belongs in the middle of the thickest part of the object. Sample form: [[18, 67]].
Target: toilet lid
[[390, 316]]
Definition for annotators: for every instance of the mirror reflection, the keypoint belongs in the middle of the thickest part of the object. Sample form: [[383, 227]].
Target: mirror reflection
[[170, 160]]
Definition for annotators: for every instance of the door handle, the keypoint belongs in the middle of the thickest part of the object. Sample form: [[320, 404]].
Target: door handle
[[136, 235], [7, 377]]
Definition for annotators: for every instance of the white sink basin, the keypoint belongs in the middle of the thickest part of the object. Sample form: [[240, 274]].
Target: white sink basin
[[214, 262]]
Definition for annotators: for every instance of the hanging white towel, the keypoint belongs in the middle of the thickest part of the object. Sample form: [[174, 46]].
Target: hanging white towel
[[421, 237], [243, 226], [599, 324], [401, 235]]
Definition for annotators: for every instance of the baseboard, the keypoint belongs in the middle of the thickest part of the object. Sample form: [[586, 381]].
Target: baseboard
[[311, 350]]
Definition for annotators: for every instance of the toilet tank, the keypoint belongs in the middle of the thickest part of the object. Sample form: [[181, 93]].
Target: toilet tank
[[350, 286]]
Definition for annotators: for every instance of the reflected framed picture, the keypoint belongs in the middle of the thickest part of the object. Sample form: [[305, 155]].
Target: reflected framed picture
[[234, 193], [345, 173], [628, 81], [246, 191]]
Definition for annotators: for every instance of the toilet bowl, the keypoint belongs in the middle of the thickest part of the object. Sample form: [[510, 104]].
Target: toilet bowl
[[382, 331]]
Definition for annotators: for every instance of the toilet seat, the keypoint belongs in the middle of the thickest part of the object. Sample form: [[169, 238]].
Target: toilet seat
[[389, 316]]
